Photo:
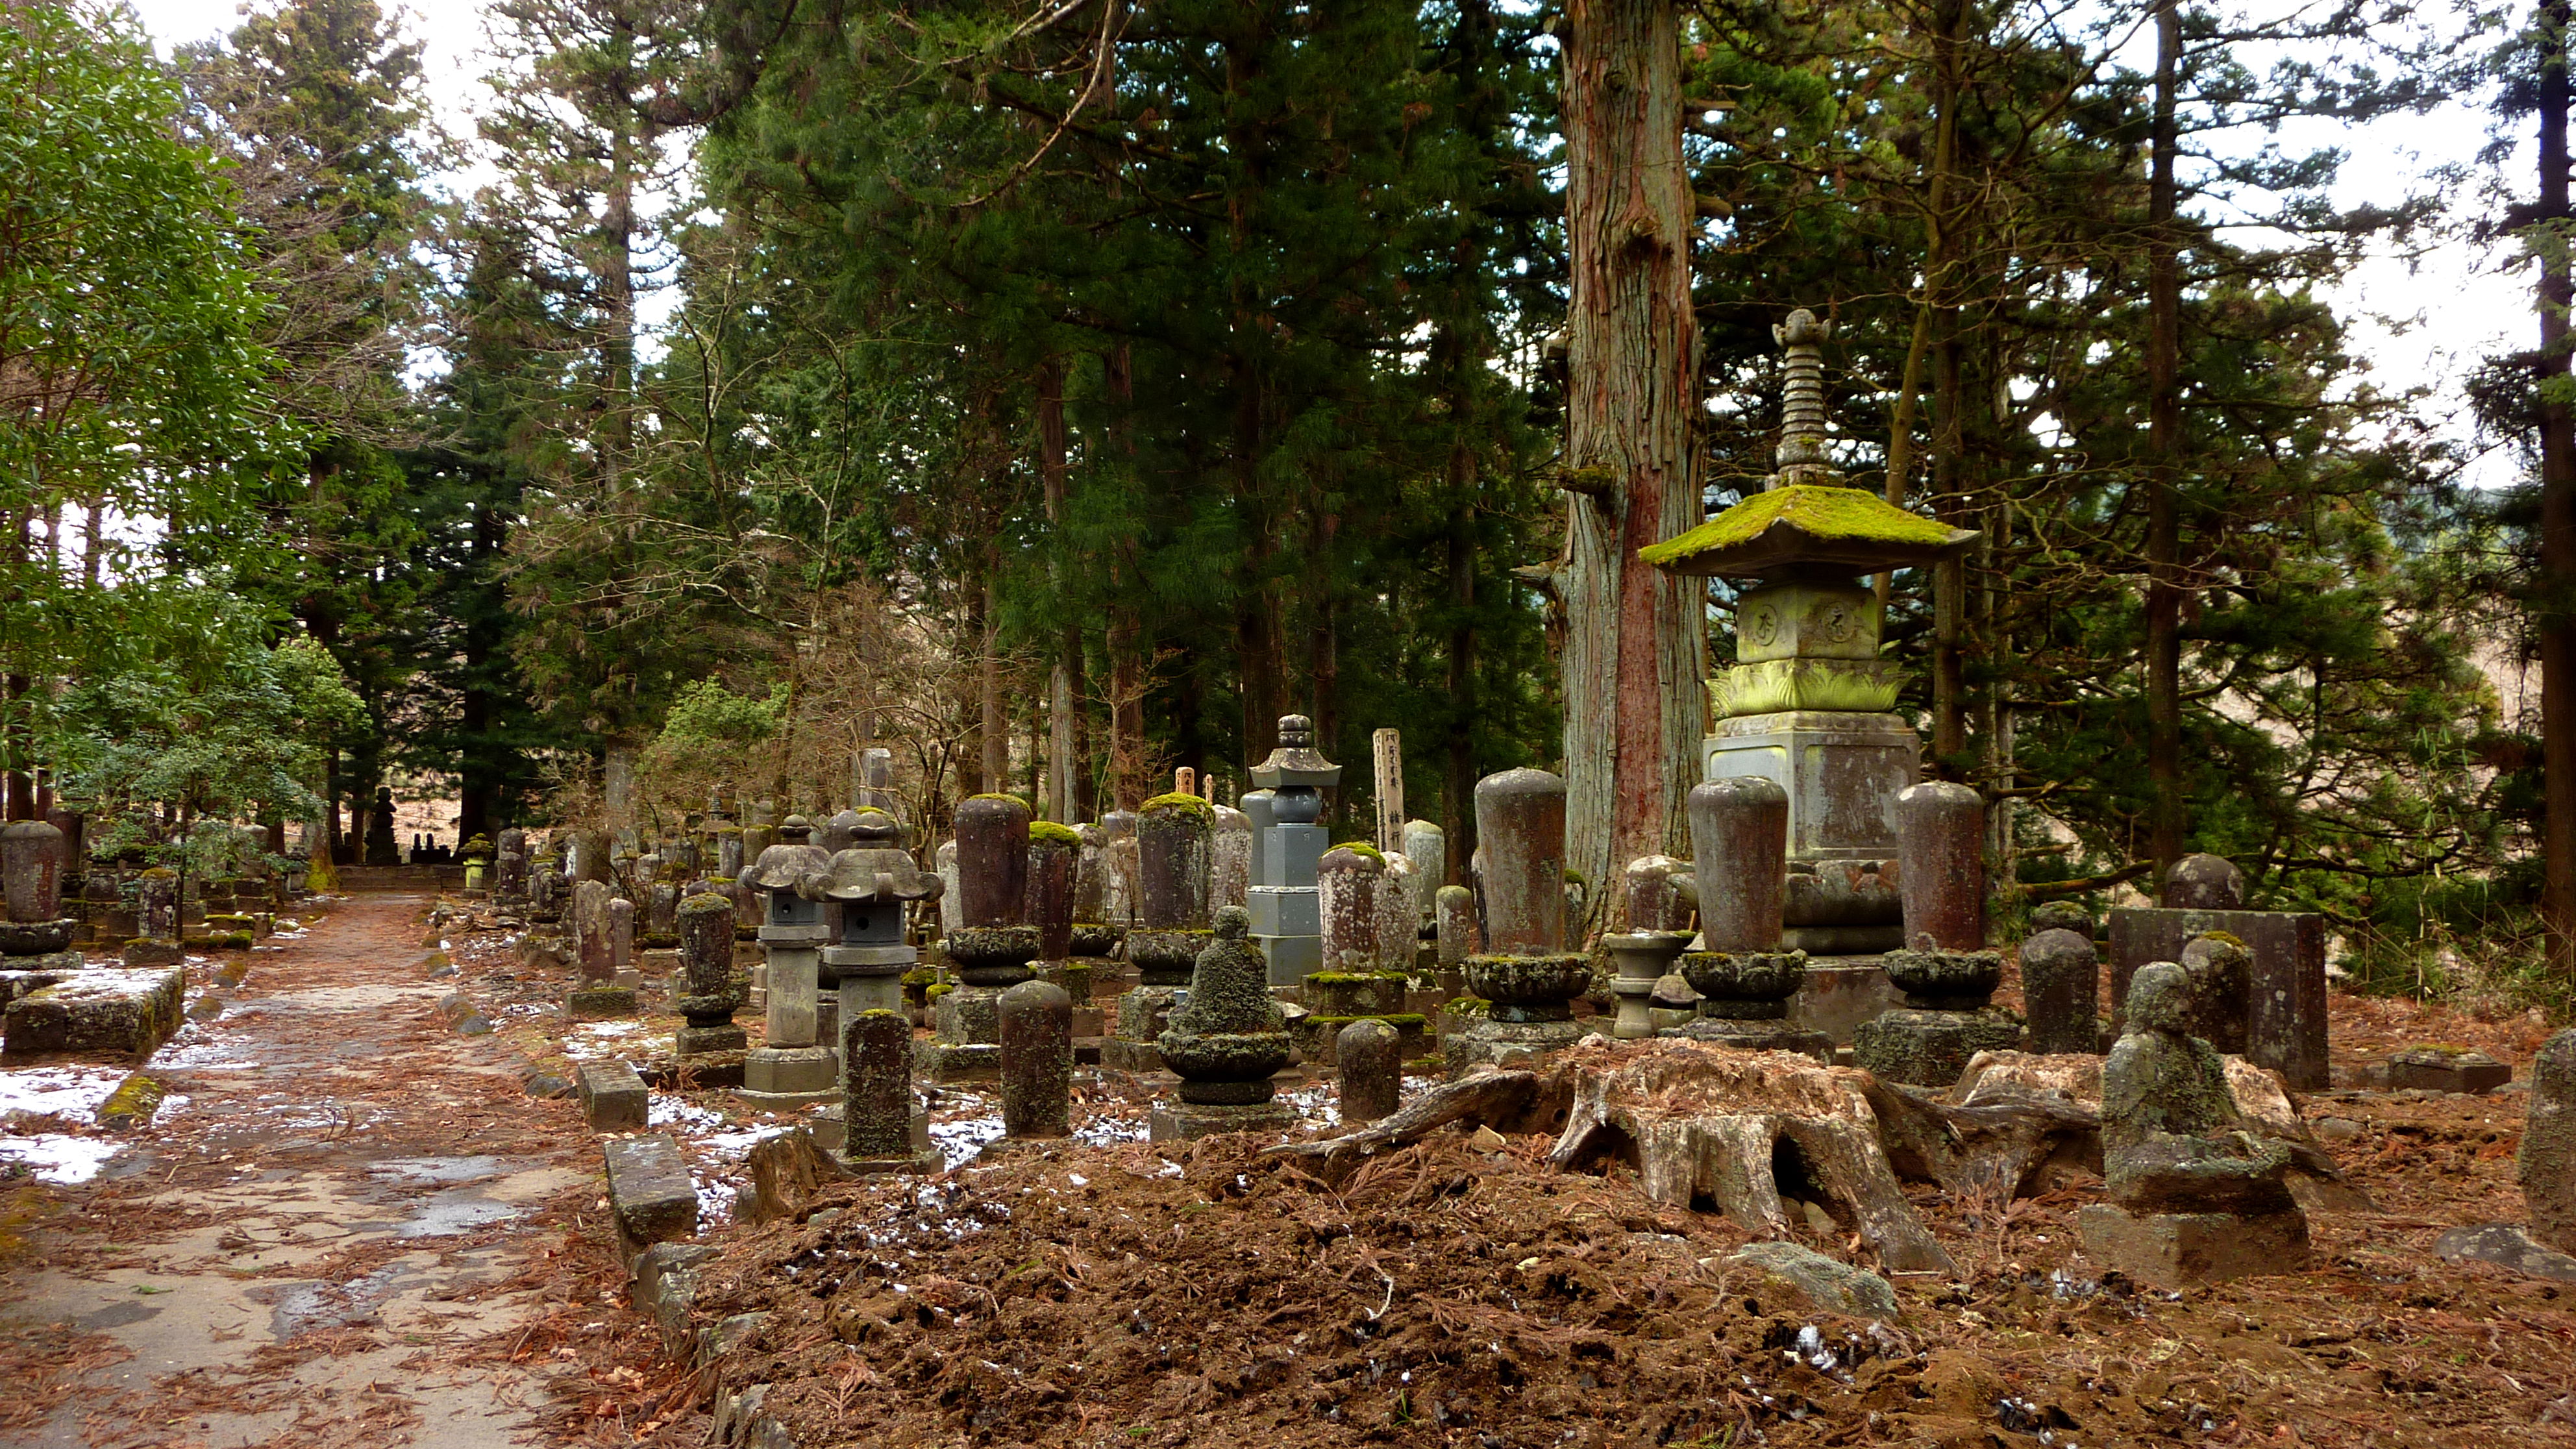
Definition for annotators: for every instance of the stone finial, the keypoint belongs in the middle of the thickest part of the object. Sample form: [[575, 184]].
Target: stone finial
[[2204, 883], [1801, 454], [2062, 916]]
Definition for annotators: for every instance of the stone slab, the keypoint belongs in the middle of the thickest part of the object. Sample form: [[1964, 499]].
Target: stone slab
[[1840, 993], [2179, 1250], [613, 1097], [2285, 1009], [649, 1192], [2506, 1246], [1930, 1048], [2439, 1069], [783, 1079], [102, 1011], [1757, 1036], [947, 1061], [1509, 1044], [1842, 771], [1188, 1121], [1318, 1036], [600, 1003]]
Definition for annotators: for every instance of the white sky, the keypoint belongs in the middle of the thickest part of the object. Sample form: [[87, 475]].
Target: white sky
[[2428, 321]]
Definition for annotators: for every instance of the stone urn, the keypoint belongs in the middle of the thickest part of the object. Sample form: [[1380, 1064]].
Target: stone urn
[[1745, 985], [1934, 979]]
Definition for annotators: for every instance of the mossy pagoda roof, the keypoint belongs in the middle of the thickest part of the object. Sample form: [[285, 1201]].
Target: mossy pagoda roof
[[1804, 525]]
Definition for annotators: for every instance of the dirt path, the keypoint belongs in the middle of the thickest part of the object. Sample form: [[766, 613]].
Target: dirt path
[[356, 1229]]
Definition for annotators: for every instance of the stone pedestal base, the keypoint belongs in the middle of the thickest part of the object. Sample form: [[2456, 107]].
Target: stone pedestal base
[[694, 1041], [1189, 1121], [831, 1129], [1316, 1036], [788, 1079], [1121, 1055], [1142, 1015], [141, 952], [1758, 1036], [600, 1003], [2177, 1250], [957, 1061], [2446, 1069], [1841, 993], [1506, 1043], [1929, 1048]]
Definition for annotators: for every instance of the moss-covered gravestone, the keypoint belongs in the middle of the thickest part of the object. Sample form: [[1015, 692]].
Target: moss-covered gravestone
[[1174, 841], [1224, 1043], [993, 944], [1740, 836], [2193, 1197], [1525, 977]]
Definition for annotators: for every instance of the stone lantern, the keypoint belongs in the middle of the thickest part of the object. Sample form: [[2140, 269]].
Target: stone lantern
[[1287, 846], [789, 1069], [873, 880], [1808, 704]]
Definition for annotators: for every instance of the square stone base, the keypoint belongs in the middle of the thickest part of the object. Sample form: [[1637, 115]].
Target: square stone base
[[2435, 1070], [2177, 1250], [694, 1041], [1188, 1121], [1318, 1038], [789, 1079], [1929, 1048], [831, 1133], [141, 952], [1507, 1043], [1757, 1036], [1121, 1055], [600, 1003], [957, 1061]]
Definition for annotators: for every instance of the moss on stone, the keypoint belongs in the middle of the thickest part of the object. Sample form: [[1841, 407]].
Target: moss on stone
[[132, 1103], [938, 989], [1339, 978], [1180, 800], [1816, 509], [1048, 830], [1468, 1006], [1364, 849], [1399, 1020], [230, 941], [998, 795], [920, 976]]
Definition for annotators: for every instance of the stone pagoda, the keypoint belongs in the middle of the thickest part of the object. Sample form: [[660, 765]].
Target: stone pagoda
[[1809, 703]]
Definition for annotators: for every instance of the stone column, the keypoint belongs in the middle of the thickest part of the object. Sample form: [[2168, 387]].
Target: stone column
[[1095, 937], [1941, 872], [2547, 1162], [1124, 870], [879, 1130], [156, 941], [1346, 882], [1740, 835], [952, 901], [1053, 850], [1427, 846], [2061, 981], [590, 900], [993, 943], [1230, 871], [621, 936], [791, 1068], [1453, 911], [1527, 977], [31, 871], [1372, 1080], [1175, 840], [712, 994], [1037, 1060]]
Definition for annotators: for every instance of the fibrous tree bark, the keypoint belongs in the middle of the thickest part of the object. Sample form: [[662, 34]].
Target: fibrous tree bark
[[2557, 590], [2167, 820], [1635, 641]]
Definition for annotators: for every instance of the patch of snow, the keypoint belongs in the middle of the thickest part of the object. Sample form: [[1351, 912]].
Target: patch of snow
[[1111, 1131], [58, 1157], [686, 1115], [56, 1091], [960, 1140]]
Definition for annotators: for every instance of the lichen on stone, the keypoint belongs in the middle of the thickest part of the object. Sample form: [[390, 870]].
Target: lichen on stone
[[1362, 849]]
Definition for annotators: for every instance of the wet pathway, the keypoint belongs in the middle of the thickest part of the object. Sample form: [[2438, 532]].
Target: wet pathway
[[355, 1229]]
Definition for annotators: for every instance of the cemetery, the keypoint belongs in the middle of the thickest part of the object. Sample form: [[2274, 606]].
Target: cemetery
[[1611, 724]]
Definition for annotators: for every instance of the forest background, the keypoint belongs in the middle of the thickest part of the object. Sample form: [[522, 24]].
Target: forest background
[[1059, 393]]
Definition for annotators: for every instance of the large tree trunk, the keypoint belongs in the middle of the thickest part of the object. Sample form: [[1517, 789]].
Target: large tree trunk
[[1941, 281], [1458, 787], [2557, 513], [1064, 681], [996, 731], [2166, 822], [1634, 691]]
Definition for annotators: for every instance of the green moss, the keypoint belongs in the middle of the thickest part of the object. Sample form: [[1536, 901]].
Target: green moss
[[1465, 1007], [132, 1103], [938, 989], [1050, 830], [1179, 800], [160, 872], [997, 795], [230, 941], [1339, 978], [2224, 938], [1817, 509], [1399, 1020], [1364, 849], [920, 976]]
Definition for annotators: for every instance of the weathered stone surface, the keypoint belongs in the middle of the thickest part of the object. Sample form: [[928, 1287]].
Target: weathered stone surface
[[2547, 1162], [2204, 883], [107, 1012], [1230, 860], [2446, 1069], [2061, 987], [2178, 1250], [1346, 882], [1744, 985], [1229, 1036], [876, 1106], [2221, 972], [621, 935], [1929, 1048], [649, 1191], [1945, 980], [1740, 839], [1842, 769], [590, 900], [1825, 1283], [1641, 960], [613, 1098], [1840, 994], [600, 1002], [1054, 850], [1454, 918], [1940, 846], [1397, 928], [1036, 1029], [1366, 1054], [710, 994], [1520, 827], [1663, 894], [992, 860], [2285, 1004], [1427, 846], [31, 870], [1175, 845], [2505, 1246], [1187, 1121]]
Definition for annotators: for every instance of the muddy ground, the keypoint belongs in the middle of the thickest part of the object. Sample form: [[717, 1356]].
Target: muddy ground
[[359, 1228]]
